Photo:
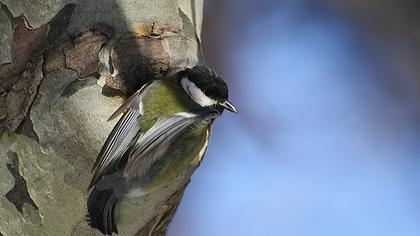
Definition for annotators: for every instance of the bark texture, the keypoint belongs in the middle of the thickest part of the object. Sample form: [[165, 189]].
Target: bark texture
[[65, 66]]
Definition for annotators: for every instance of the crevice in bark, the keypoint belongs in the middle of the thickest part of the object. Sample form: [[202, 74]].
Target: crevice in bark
[[111, 92], [27, 129], [76, 85], [19, 195]]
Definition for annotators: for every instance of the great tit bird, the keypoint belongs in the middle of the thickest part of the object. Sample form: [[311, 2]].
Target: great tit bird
[[164, 127]]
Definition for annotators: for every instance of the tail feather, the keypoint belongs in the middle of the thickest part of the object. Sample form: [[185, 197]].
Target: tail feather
[[101, 208]]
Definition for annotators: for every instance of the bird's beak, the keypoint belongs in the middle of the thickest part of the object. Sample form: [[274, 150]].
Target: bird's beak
[[226, 104]]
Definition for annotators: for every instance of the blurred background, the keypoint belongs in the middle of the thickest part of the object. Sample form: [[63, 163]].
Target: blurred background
[[327, 137]]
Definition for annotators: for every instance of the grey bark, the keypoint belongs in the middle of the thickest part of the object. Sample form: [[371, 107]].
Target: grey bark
[[65, 66]]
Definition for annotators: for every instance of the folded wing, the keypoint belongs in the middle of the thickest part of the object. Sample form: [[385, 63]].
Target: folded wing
[[122, 136], [153, 144]]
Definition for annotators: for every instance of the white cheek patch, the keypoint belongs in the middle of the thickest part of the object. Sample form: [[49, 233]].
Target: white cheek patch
[[196, 94]]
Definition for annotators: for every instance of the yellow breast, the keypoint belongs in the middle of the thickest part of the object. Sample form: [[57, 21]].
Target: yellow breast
[[161, 100]]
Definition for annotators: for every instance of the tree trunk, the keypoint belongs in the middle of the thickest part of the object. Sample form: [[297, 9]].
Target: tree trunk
[[65, 66]]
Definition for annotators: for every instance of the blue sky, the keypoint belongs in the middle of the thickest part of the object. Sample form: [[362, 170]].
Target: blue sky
[[321, 144]]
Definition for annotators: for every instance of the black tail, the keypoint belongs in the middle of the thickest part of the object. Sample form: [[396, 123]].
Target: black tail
[[101, 208]]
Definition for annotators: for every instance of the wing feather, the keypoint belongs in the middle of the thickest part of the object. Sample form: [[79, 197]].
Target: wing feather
[[153, 144], [131, 103], [122, 136]]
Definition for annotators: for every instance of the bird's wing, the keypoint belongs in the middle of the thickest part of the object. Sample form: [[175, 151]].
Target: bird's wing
[[153, 144], [131, 103], [122, 135]]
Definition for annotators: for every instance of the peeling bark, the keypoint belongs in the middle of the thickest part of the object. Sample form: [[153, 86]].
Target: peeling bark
[[55, 59], [83, 56], [21, 95], [27, 43], [65, 59]]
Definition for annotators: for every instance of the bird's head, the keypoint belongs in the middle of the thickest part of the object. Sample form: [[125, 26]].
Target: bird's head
[[205, 87]]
